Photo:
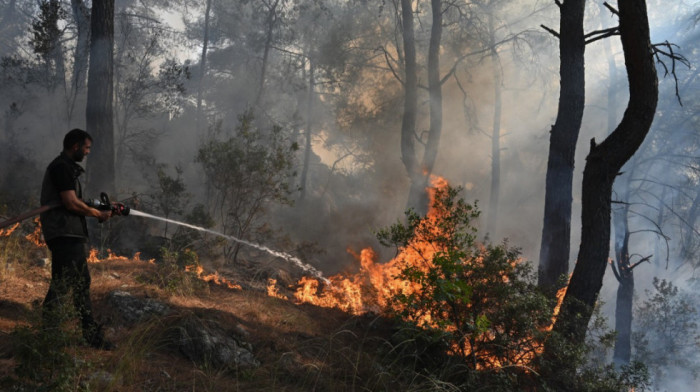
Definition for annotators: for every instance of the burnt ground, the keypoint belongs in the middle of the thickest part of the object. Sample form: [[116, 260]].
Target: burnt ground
[[299, 347]]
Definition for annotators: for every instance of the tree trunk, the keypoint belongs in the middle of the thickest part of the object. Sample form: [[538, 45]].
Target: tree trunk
[[56, 54], [556, 231], [418, 194], [410, 104], [81, 16], [271, 20], [307, 134], [602, 166], [495, 136], [625, 290], [100, 95], [203, 64]]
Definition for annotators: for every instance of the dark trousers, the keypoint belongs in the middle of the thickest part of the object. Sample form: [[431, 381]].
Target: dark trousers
[[69, 274]]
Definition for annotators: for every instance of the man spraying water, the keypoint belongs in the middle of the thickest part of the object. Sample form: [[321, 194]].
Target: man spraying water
[[65, 232]]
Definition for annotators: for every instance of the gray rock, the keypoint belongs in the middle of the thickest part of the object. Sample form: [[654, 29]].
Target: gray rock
[[207, 344], [133, 309]]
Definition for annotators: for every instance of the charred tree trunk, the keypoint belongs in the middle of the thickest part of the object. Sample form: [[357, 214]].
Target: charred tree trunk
[[410, 103], [556, 231], [99, 115], [271, 20], [625, 291], [81, 16], [602, 166], [418, 197], [307, 134], [203, 64], [495, 135]]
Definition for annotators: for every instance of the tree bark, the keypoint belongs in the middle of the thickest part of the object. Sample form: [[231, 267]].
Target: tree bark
[[494, 195], [271, 20], [625, 291], [410, 104], [418, 194], [81, 16], [307, 134], [556, 231], [602, 166], [99, 115]]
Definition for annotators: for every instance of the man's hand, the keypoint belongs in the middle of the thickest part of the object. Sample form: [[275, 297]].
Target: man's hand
[[72, 203], [103, 215]]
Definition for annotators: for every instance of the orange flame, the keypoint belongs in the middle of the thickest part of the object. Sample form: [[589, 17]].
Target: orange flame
[[7, 232], [272, 290], [93, 257], [374, 286], [213, 278], [36, 237], [371, 289]]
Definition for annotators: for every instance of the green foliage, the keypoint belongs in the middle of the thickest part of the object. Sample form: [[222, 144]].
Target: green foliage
[[478, 320], [247, 173], [46, 358], [45, 31], [177, 272], [667, 335], [481, 298]]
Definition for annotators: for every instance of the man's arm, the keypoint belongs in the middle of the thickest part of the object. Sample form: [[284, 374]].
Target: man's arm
[[72, 203]]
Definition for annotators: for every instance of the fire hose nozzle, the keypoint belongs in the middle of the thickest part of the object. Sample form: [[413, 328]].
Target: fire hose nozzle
[[104, 204]]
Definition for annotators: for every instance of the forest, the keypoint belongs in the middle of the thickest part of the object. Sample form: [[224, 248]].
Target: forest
[[515, 183]]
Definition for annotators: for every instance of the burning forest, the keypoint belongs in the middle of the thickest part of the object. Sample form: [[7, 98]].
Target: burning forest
[[343, 195]]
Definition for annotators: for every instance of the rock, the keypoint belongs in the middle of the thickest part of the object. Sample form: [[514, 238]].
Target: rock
[[206, 343], [100, 380], [133, 309]]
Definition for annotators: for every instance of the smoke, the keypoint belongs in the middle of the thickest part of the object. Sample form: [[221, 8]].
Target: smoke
[[356, 181]]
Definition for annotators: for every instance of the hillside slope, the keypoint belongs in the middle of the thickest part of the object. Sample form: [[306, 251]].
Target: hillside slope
[[295, 347]]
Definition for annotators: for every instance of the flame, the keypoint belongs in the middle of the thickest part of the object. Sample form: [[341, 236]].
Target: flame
[[213, 278], [7, 232], [111, 256], [371, 289], [375, 285], [92, 258], [36, 237], [272, 290]]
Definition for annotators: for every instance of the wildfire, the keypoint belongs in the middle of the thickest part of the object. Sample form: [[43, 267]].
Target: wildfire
[[272, 290], [36, 237], [376, 284], [93, 257], [7, 232], [371, 289], [214, 278]]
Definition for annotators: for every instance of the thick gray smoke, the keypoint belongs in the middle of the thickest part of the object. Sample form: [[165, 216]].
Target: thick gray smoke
[[261, 59]]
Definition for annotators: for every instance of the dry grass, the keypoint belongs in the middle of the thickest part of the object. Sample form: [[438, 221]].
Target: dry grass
[[300, 347]]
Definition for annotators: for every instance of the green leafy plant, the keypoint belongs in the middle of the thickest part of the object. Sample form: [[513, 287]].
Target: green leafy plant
[[246, 174], [474, 309], [47, 359], [667, 334]]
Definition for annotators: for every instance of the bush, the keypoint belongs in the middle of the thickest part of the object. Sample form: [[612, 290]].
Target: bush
[[475, 308]]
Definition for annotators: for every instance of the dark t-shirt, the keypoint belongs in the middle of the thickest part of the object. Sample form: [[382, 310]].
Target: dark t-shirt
[[62, 175]]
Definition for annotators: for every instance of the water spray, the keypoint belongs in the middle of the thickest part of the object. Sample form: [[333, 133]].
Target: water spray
[[294, 260], [104, 204]]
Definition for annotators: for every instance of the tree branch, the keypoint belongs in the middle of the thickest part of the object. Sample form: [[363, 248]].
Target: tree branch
[[612, 9], [551, 31], [640, 262], [615, 271], [675, 57], [600, 34]]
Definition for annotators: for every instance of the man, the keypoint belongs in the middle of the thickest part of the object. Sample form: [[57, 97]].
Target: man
[[65, 233]]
